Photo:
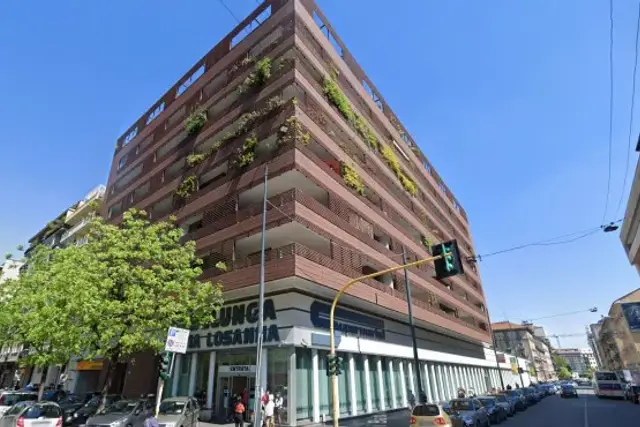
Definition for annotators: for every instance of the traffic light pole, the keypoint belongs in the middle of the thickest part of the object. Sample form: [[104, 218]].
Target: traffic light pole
[[332, 339], [422, 397], [161, 384]]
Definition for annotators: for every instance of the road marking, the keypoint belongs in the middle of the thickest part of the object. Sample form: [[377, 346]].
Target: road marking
[[586, 413]]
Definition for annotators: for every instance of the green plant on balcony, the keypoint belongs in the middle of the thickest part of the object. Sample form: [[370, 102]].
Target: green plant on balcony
[[291, 130], [195, 159], [187, 187], [258, 77], [338, 98], [426, 242], [247, 153], [351, 178], [195, 121], [408, 184], [391, 159]]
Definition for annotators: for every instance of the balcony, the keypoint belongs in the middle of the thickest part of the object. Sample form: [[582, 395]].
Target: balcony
[[86, 205], [314, 200], [76, 229]]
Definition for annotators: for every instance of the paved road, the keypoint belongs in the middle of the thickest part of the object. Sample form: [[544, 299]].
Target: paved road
[[586, 411]]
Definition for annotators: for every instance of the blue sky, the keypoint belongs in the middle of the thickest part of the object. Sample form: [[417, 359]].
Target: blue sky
[[509, 100]]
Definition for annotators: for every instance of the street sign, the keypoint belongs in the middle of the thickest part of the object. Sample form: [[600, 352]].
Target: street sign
[[177, 340]]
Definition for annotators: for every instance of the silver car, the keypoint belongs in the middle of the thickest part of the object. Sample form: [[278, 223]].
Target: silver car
[[124, 413], [32, 414], [179, 412], [10, 398]]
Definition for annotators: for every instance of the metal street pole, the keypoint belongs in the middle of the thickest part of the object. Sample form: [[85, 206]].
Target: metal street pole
[[422, 397], [332, 337], [257, 414]]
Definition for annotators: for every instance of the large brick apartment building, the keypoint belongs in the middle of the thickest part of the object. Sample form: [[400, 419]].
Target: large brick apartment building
[[347, 189]]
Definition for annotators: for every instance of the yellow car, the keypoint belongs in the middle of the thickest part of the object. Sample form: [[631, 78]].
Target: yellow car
[[429, 415]]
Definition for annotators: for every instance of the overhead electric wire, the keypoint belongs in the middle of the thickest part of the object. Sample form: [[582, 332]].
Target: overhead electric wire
[[633, 103], [229, 10], [570, 238], [606, 202]]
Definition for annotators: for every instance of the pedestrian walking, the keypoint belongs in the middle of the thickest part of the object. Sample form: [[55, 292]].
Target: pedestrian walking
[[151, 421], [461, 393], [278, 407], [267, 410], [238, 413], [412, 400]]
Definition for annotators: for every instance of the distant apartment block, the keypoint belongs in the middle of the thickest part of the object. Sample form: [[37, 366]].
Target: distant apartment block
[[580, 360]]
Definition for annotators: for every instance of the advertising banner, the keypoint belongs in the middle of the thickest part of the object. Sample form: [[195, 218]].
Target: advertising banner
[[514, 365], [631, 311]]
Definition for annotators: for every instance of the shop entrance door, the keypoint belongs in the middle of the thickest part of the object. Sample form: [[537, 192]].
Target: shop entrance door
[[229, 385]]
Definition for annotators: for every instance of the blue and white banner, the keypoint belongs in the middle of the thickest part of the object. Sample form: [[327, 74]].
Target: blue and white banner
[[631, 311]]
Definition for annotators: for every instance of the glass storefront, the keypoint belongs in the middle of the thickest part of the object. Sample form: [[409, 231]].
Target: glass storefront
[[278, 379], [397, 377], [386, 378], [235, 371], [374, 379], [304, 384], [360, 383]]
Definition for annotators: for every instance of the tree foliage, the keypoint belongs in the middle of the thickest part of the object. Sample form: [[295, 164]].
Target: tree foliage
[[564, 373], [112, 297]]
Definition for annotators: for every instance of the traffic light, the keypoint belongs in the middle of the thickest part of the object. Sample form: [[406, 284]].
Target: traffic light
[[165, 365], [450, 264], [334, 365]]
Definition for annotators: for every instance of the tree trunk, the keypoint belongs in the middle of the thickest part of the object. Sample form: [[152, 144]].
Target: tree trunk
[[111, 369]]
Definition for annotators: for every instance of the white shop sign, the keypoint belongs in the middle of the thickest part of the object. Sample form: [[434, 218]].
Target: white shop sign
[[237, 369]]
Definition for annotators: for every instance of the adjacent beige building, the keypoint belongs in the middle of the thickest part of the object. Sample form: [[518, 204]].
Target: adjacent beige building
[[618, 339], [522, 341]]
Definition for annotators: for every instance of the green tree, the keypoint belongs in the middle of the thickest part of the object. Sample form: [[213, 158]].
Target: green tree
[[564, 373], [112, 297]]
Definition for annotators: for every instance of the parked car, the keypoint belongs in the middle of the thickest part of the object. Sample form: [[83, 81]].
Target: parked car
[[32, 414], [530, 395], [470, 412], [497, 413], [568, 390], [632, 393], [10, 398], [518, 399], [179, 412], [429, 415], [130, 413], [508, 404], [80, 416]]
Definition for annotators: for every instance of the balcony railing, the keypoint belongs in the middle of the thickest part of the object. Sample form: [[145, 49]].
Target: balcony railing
[[333, 212], [296, 249], [70, 232]]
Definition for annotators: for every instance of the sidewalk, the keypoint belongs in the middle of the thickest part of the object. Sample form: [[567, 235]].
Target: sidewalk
[[390, 419]]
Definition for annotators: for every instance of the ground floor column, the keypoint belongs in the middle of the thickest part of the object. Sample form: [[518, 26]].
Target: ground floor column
[[192, 373], [413, 380], [211, 378], [352, 384], [316, 385], [367, 384], [403, 384], [175, 375], [433, 382], [380, 383], [394, 392]]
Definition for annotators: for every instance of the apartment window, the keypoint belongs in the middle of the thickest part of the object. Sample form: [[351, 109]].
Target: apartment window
[[122, 162], [130, 136], [213, 175], [251, 26], [141, 191], [114, 210]]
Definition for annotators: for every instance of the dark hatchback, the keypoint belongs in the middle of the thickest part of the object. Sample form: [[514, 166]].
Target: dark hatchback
[[568, 390], [77, 416]]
